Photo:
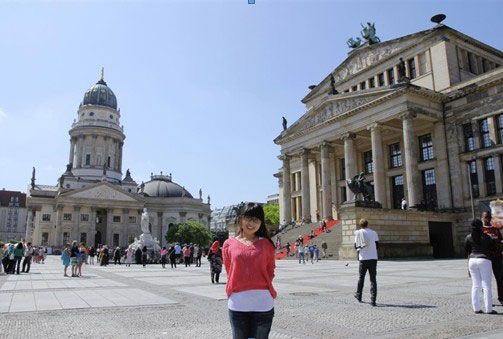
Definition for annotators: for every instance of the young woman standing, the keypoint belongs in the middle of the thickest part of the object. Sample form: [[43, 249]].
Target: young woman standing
[[250, 263]]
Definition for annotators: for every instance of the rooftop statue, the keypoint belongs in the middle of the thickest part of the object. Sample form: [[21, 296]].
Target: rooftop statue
[[284, 123], [333, 91], [354, 43], [369, 33]]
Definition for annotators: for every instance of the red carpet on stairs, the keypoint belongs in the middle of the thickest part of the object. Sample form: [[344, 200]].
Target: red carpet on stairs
[[281, 254]]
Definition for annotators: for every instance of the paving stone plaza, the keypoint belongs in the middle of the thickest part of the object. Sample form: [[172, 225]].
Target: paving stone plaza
[[420, 299]]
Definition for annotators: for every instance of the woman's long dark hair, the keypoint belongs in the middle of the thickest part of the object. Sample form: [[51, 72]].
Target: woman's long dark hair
[[476, 230], [253, 210]]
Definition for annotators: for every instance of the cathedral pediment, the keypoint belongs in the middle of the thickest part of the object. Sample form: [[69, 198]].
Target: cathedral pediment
[[101, 191], [365, 57]]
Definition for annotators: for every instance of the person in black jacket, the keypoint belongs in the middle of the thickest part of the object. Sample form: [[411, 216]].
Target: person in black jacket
[[479, 246]]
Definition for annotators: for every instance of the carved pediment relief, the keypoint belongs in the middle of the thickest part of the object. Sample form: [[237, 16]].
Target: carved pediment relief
[[330, 110], [102, 192]]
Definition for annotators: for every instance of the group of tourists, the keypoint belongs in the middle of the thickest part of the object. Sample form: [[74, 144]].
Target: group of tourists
[[17, 257], [484, 246]]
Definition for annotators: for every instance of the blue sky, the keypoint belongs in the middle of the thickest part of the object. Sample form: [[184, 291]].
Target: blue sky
[[202, 85]]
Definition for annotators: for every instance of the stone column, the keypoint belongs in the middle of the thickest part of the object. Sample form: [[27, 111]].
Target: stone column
[[349, 161], [119, 169], [106, 141], [123, 241], [94, 153], [91, 235], [75, 223], [80, 147], [109, 236], [378, 161], [442, 174], [480, 177], [29, 226], [58, 232], [159, 226], [497, 173], [414, 187], [287, 190], [326, 182], [493, 133], [306, 202], [72, 150]]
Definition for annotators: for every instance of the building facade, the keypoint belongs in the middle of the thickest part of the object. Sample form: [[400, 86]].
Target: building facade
[[12, 215], [421, 117], [93, 202]]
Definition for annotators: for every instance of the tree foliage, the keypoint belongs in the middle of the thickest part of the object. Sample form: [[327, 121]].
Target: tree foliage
[[271, 212], [189, 232]]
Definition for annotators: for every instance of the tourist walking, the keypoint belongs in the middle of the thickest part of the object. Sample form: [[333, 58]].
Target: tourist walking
[[164, 258], [92, 253], [129, 256], [144, 256], [178, 252], [479, 246], [324, 248], [8, 260], [2, 252], [117, 255], [28, 254], [311, 253], [186, 255], [367, 243], [287, 246], [81, 258], [104, 256], [496, 256], [300, 253], [73, 257], [137, 255], [249, 262], [18, 256], [172, 256], [65, 258], [197, 255], [215, 259]]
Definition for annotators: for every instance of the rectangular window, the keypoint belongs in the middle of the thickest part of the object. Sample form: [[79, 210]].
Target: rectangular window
[[395, 155], [108, 162], [132, 219], [116, 240], [66, 237], [346, 91], [474, 178], [472, 63], [372, 83], [489, 176], [367, 162], [485, 137], [88, 159], [83, 237], [343, 194], [342, 169], [362, 85], [45, 239], [67, 216], [391, 76], [426, 147], [412, 68], [423, 66], [397, 191], [429, 189], [354, 88], [46, 217], [380, 79], [84, 217], [116, 218], [468, 136], [499, 126]]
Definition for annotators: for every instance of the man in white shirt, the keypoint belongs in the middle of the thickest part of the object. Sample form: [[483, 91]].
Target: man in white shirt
[[367, 243], [404, 203]]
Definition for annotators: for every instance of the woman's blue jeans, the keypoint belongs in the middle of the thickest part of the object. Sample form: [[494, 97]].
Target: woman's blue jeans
[[251, 324]]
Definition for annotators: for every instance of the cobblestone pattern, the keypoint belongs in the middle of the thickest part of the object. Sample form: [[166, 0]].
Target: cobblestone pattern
[[416, 299]]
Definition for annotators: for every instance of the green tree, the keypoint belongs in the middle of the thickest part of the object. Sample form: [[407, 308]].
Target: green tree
[[271, 212], [189, 232]]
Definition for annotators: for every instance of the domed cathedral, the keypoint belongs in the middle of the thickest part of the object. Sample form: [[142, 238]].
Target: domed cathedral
[[93, 202]]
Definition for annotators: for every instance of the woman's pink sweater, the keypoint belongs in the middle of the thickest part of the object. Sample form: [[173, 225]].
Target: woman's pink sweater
[[249, 267]]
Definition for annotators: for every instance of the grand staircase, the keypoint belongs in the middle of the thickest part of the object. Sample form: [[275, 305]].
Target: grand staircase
[[332, 236]]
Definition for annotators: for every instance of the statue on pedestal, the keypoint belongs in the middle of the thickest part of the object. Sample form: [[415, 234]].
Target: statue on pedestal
[[284, 123], [145, 222]]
